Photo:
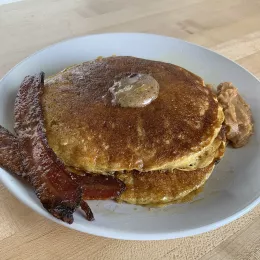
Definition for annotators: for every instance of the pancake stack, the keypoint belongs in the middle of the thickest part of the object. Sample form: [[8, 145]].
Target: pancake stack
[[162, 151]]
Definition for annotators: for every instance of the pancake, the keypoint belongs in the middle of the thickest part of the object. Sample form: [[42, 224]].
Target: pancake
[[156, 188], [161, 187], [207, 155], [91, 134]]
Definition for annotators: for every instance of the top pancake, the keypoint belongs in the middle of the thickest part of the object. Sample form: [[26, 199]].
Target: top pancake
[[91, 134]]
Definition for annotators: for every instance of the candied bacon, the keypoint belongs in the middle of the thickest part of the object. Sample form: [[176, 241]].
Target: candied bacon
[[102, 187], [85, 207], [58, 193], [10, 157], [99, 187]]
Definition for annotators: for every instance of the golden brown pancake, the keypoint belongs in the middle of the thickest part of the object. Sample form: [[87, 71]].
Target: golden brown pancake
[[91, 134], [161, 187], [207, 155]]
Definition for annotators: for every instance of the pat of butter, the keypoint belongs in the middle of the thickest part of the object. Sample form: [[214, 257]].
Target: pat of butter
[[135, 90]]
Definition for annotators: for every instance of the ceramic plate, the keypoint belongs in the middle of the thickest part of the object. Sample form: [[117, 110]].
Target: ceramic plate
[[232, 190]]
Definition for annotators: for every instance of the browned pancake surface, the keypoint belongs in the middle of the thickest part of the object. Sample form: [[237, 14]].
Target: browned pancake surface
[[89, 133]]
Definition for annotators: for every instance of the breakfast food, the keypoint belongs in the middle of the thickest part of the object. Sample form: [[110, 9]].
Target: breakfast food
[[59, 190], [87, 131], [137, 131], [10, 158], [156, 188], [238, 116]]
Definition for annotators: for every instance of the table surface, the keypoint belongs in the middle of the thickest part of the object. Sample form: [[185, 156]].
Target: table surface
[[230, 27]]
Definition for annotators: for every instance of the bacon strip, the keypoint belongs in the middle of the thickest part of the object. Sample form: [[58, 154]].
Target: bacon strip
[[10, 157], [101, 187], [58, 193], [85, 207]]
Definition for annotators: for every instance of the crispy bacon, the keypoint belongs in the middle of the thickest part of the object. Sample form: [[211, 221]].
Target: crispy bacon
[[10, 157], [102, 188], [58, 193], [99, 187], [85, 207]]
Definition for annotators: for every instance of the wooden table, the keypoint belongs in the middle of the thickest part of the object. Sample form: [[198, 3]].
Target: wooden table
[[230, 27]]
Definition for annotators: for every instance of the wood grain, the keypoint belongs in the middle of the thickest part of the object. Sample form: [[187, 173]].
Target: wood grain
[[230, 27]]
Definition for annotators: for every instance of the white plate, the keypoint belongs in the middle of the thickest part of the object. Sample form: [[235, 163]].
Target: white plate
[[232, 190]]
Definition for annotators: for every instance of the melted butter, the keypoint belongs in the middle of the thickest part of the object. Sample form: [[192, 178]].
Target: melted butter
[[135, 90]]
